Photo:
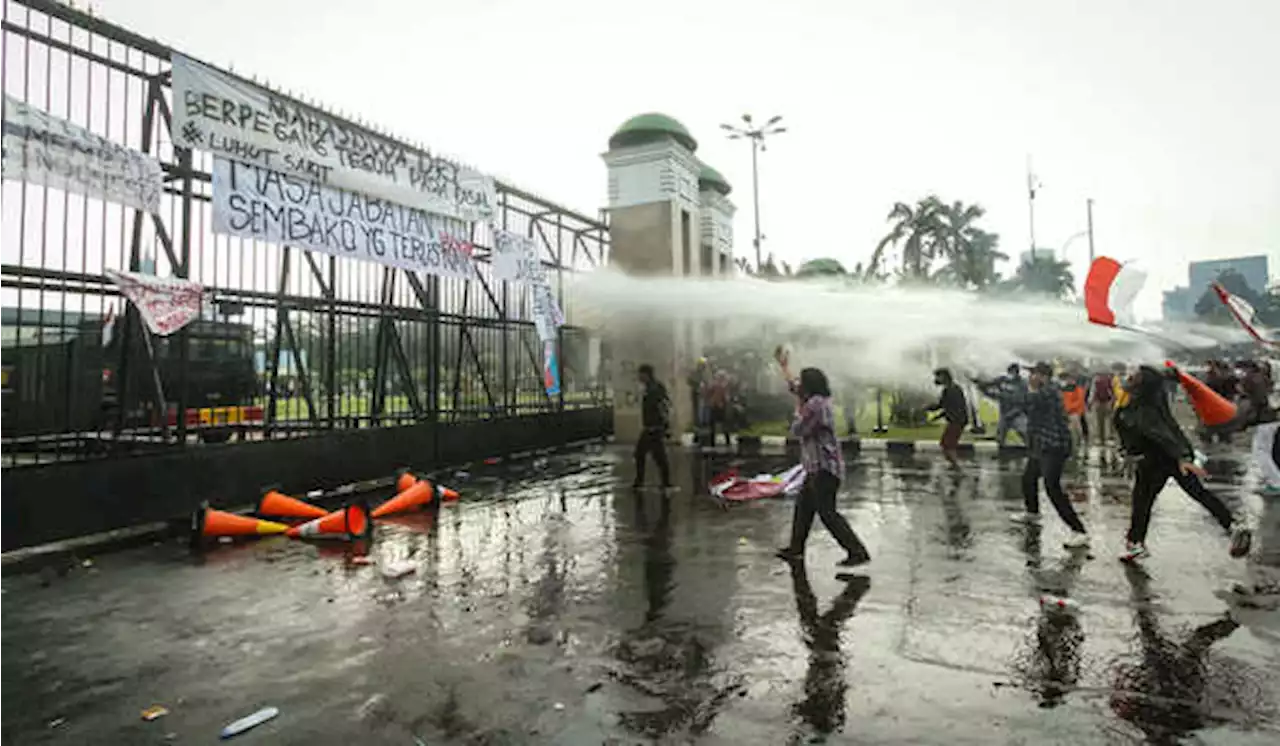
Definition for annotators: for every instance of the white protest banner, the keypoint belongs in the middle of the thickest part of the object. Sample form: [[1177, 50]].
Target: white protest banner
[[233, 118], [515, 258], [166, 303], [40, 148], [253, 202], [547, 317]]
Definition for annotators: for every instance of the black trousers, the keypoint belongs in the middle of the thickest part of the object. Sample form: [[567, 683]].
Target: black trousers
[[719, 416], [1047, 466], [651, 442], [1152, 473], [818, 497]]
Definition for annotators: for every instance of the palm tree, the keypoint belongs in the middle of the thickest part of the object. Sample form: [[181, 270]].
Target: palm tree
[[918, 230], [972, 263], [1043, 275]]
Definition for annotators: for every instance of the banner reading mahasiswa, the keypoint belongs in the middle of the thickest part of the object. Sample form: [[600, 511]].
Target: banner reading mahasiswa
[[253, 202], [40, 148], [233, 118], [166, 303], [515, 259]]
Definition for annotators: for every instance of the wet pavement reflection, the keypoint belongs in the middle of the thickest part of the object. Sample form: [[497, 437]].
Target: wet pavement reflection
[[555, 605]]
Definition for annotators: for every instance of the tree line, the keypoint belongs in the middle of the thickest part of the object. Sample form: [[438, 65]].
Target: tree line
[[933, 242]]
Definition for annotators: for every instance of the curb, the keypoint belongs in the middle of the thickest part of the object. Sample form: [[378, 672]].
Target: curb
[[747, 444], [68, 551]]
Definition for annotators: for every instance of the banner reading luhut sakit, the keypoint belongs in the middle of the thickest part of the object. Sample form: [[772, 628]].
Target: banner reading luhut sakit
[[236, 119]]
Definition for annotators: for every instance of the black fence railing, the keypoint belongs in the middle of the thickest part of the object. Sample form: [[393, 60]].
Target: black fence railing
[[293, 343]]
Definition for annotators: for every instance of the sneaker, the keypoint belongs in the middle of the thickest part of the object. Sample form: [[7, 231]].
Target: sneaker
[[1134, 552], [1241, 540], [854, 560], [1025, 517], [1078, 540], [790, 555]]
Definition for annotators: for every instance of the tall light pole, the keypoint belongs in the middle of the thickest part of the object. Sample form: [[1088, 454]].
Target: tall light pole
[[1032, 184], [756, 135], [1089, 208]]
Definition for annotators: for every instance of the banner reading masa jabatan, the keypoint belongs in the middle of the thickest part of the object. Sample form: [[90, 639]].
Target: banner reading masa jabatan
[[252, 202]]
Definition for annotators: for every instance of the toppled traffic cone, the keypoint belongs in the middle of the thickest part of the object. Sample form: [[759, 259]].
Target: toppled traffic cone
[[347, 524], [281, 505], [209, 523], [1211, 407], [406, 480], [447, 494], [420, 493]]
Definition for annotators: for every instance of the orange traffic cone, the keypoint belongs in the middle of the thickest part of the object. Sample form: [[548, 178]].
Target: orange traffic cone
[[276, 503], [448, 495], [348, 524], [207, 522], [1210, 406], [420, 493], [406, 480]]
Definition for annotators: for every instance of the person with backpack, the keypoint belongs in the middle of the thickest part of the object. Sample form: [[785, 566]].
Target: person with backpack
[[655, 424]]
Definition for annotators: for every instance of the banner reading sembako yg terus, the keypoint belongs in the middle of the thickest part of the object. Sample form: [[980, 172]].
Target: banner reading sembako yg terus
[[253, 202]]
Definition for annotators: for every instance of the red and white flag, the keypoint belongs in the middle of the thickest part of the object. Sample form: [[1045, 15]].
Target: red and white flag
[[166, 303], [1109, 291], [1244, 313]]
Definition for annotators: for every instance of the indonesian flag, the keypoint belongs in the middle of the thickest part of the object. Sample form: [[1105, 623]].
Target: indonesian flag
[[1243, 311], [1109, 291]]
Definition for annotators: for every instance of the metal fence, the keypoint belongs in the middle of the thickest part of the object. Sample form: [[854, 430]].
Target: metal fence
[[320, 342]]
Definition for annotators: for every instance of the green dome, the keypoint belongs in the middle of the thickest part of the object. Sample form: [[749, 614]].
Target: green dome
[[709, 178], [819, 267], [651, 127]]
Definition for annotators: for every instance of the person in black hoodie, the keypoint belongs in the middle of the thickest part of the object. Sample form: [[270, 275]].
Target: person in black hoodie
[[952, 407], [1150, 435], [655, 421]]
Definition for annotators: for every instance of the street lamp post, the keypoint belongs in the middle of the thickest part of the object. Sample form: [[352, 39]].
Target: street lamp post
[[756, 135]]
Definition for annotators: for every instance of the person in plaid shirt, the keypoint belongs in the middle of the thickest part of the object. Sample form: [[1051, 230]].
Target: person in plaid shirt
[[815, 426], [1048, 448]]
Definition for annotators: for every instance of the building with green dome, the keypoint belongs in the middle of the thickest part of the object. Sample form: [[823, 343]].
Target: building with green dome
[[669, 215]]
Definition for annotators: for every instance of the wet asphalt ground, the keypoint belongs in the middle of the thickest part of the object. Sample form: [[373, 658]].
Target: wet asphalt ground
[[552, 605]]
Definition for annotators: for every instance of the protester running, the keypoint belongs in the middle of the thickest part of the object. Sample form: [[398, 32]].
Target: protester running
[[951, 407], [815, 426], [655, 422], [1150, 435], [1008, 390], [1048, 448]]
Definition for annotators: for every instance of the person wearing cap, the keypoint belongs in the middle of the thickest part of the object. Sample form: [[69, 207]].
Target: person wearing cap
[[1151, 436], [1008, 390], [1048, 448], [952, 407]]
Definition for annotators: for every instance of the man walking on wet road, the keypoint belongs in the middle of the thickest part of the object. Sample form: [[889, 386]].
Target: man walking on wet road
[[655, 421], [1048, 448]]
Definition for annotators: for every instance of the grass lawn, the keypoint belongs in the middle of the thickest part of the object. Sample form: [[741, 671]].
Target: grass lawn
[[866, 420]]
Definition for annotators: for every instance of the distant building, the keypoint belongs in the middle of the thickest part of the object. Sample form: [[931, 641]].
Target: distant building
[[1180, 303]]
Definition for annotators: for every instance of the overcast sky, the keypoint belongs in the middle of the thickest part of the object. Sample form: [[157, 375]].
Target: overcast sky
[[1166, 113]]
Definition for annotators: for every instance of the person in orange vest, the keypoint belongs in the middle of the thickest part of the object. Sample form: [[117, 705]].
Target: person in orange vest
[[1075, 402]]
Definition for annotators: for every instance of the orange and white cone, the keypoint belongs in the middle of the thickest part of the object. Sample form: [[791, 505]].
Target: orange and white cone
[[209, 523], [348, 524], [1212, 408], [278, 504], [405, 481], [418, 495]]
